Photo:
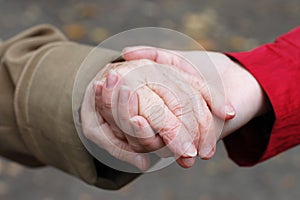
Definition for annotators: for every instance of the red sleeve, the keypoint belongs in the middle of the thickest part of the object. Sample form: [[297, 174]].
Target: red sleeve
[[276, 67]]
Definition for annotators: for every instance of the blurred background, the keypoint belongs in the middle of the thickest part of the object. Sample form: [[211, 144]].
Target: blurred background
[[233, 25]]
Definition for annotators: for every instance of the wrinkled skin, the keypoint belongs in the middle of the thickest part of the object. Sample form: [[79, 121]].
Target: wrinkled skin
[[124, 118], [173, 107]]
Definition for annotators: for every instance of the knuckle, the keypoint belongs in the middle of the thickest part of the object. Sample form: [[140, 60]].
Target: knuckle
[[155, 114], [202, 87], [177, 106], [169, 133], [199, 84], [185, 108]]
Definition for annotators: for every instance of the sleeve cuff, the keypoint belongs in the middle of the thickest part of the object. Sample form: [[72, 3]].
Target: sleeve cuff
[[276, 67]]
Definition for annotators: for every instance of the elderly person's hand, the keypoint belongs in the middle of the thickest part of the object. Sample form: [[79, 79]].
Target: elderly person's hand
[[100, 132], [174, 104], [240, 88]]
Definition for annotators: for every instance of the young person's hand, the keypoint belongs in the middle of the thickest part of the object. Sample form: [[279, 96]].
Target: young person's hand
[[240, 88]]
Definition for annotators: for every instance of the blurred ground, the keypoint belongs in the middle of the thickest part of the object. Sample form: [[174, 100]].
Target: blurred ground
[[218, 25]]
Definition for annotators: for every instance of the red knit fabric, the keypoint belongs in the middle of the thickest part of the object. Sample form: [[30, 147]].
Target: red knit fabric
[[276, 67]]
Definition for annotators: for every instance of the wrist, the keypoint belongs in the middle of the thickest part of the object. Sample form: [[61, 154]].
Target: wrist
[[245, 94]]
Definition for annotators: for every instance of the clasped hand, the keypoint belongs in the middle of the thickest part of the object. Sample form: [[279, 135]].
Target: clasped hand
[[157, 101]]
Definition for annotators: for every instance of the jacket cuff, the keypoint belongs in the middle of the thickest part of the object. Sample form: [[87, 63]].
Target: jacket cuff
[[43, 105], [44, 113], [276, 67]]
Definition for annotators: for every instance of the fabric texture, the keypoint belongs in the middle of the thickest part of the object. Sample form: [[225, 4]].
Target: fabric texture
[[276, 67], [37, 73]]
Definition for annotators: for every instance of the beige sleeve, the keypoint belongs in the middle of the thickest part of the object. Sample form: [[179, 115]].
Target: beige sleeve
[[37, 74]]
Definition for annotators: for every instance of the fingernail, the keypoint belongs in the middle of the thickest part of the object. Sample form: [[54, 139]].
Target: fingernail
[[112, 79], [190, 150], [229, 110], [204, 151], [124, 94]]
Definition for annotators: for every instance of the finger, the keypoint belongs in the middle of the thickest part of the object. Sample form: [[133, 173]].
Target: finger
[[163, 121], [208, 137], [217, 103], [140, 135], [180, 107], [181, 102], [147, 137], [210, 154], [146, 52], [214, 99], [185, 107], [109, 99], [98, 87], [186, 162], [95, 129], [127, 107], [161, 56], [105, 138]]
